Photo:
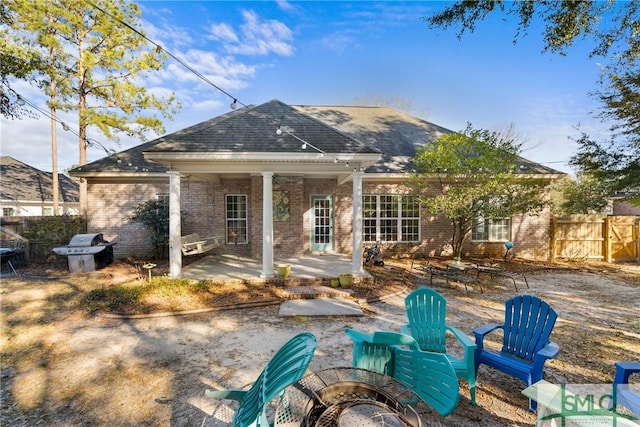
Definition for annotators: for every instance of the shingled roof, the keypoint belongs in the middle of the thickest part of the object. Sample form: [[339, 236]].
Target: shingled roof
[[332, 129], [22, 182]]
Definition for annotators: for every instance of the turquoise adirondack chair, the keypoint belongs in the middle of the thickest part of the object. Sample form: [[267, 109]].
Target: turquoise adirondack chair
[[526, 345], [426, 310], [428, 374], [286, 367]]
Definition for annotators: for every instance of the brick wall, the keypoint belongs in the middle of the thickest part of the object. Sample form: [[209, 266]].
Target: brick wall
[[111, 204], [203, 207]]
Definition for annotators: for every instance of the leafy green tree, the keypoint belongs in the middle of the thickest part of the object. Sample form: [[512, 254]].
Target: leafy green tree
[[154, 216], [612, 28], [17, 60], [103, 67], [476, 174], [583, 195]]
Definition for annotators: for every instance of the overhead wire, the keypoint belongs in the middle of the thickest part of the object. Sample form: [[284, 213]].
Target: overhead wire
[[90, 141], [171, 55], [159, 48]]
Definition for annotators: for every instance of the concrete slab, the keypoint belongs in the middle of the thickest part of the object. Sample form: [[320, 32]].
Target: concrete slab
[[232, 267], [320, 307]]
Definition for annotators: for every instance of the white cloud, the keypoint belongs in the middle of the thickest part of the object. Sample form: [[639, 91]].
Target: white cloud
[[339, 41], [223, 32], [207, 105], [255, 37], [168, 36], [286, 6]]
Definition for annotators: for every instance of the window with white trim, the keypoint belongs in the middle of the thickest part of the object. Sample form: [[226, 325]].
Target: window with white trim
[[236, 214], [390, 218], [7, 211], [496, 229]]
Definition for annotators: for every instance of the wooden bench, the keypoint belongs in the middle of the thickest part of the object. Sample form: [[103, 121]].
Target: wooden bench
[[193, 244]]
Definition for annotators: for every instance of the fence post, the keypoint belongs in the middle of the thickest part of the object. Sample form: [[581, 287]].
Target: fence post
[[554, 230], [607, 238], [637, 234]]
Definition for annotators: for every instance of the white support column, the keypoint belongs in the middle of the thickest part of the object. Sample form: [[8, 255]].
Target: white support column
[[356, 262], [267, 225], [175, 250]]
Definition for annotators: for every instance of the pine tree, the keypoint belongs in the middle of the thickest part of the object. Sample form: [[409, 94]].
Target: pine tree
[[101, 74]]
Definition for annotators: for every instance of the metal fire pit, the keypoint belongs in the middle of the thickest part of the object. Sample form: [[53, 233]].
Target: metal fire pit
[[87, 252], [352, 397]]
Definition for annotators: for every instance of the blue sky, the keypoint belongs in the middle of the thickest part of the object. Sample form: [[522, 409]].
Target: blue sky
[[341, 53]]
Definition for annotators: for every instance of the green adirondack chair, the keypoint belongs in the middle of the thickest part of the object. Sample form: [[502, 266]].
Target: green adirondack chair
[[286, 367], [426, 310], [428, 374]]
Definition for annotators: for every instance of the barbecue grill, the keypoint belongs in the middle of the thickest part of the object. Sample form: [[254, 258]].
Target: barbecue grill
[[87, 252]]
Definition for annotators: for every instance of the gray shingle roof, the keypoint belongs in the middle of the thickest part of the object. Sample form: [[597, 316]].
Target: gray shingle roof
[[393, 132], [23, 182], [397, 135], [333, 129], [253, 129]]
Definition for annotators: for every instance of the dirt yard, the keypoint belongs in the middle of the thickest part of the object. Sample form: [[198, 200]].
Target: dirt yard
[[63, 367]]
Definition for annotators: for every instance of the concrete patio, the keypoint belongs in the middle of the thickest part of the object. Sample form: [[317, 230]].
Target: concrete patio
[[309, 268]]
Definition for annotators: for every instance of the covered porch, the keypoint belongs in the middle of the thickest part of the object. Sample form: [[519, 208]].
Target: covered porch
[[305, 268]]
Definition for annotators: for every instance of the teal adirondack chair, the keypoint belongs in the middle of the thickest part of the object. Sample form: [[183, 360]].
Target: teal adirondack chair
[[375, 351], [286, 367], [426, 310], [428, 374], [526, 346]]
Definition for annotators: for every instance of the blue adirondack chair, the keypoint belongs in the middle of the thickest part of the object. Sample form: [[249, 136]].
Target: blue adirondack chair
[[286, 367], [426, 310], [525, 340], [623, 394], [428, 374]]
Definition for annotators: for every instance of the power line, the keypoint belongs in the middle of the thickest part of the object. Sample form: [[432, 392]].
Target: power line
[[20, 100], [234, 99], [159, 49]]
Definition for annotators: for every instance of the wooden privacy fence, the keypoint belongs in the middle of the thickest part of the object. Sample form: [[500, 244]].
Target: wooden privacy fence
[[596, 237]]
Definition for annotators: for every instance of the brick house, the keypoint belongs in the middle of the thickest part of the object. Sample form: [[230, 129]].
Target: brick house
[[281, 180]]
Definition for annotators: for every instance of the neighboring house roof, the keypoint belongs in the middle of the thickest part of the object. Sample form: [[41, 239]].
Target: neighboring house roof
[[332, 129], [21, 182]]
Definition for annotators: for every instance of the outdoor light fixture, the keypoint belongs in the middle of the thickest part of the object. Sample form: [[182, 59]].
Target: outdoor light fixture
[[19, 100], [304, 146], [65, 126], [278, 131], [234, 104]]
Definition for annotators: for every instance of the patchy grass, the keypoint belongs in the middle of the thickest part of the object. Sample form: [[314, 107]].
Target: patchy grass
[[162, 294]]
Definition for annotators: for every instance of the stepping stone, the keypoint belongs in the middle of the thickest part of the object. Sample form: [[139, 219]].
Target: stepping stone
[[320, 307]]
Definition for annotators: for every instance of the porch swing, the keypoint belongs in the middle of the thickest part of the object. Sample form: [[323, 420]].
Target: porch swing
[[193, 244]]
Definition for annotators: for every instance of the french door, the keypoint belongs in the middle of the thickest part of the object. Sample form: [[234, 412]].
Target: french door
[[321, 223]]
